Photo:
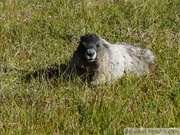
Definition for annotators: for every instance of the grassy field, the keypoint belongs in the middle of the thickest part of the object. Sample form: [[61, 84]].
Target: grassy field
[[37, 34]]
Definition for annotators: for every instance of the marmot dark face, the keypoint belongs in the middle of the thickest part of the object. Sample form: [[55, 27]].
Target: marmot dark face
[[88, 47]]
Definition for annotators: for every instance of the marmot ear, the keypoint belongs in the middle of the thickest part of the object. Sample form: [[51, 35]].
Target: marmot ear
[[104, 41], [82, 37]]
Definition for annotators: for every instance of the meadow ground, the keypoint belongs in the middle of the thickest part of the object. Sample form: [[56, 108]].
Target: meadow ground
[[36, 34]]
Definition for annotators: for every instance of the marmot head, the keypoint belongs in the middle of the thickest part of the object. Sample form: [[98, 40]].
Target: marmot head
[[89, 47]]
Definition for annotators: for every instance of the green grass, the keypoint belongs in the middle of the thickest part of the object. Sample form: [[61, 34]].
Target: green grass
[[36, 34]]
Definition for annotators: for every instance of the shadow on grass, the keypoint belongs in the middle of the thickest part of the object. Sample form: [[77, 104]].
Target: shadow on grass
[[50, 74], [53, 73]]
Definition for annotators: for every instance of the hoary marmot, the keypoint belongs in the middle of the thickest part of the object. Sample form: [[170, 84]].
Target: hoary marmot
[[105, 62]]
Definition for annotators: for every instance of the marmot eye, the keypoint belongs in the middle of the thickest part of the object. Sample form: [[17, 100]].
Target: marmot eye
[[97, 45]]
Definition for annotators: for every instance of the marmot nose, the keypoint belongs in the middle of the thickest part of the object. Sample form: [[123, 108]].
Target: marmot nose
[[90, 52]]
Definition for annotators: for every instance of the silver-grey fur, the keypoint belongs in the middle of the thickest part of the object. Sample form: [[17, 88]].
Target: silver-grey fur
[[105, 62]]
